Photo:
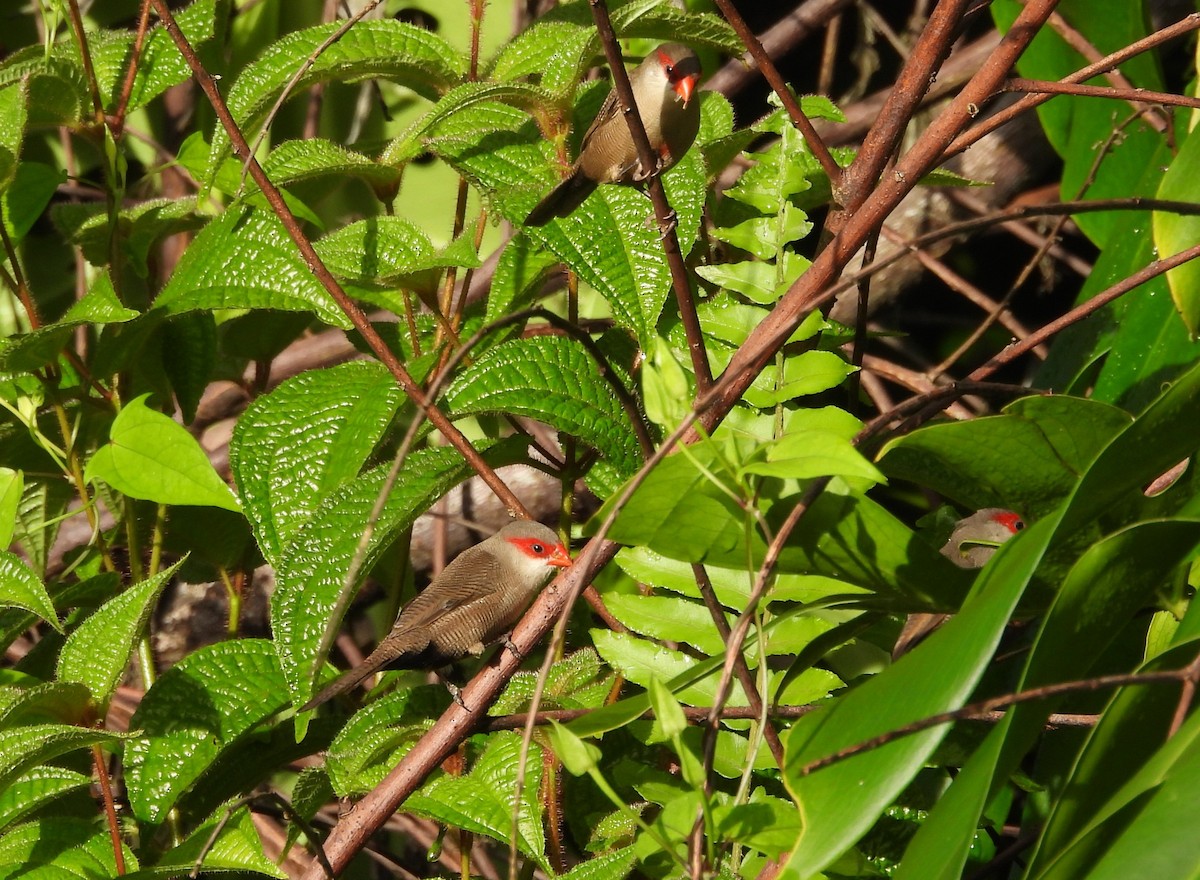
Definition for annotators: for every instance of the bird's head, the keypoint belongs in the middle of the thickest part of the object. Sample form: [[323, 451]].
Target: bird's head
[[681, 67], [532, 548]]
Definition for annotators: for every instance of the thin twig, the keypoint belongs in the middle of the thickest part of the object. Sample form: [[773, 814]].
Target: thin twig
[[667, 224]]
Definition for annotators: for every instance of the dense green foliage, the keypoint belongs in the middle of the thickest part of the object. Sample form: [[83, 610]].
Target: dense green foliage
[[144, 271]]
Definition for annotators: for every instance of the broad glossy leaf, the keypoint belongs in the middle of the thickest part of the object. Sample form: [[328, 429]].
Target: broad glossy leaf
[[552, 379], [244, 259], [383, 49], [197, 710], [21, 588], [1027, 459], [840, 802], [97, 653], [1133, 725], [294, 447], [151, 456]]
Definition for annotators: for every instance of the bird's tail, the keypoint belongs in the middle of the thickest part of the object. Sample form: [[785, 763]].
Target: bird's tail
[[341, 684], [562, 200]]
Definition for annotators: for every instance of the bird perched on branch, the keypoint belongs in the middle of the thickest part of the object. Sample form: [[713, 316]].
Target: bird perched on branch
[[663, 86], [475, 601]]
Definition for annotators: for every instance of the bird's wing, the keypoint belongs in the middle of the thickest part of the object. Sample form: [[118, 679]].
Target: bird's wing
[[473, 577], [608, 110]]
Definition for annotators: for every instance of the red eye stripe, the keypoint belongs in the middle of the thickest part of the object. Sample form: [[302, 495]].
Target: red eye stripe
[[1010, 521], [553, 554]]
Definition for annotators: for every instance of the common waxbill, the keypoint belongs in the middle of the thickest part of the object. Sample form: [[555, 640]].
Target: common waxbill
[[663, 86], [975, 538], [474, 601], [973, 542]]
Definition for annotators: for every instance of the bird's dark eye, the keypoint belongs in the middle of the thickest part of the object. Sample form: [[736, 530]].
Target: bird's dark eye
[[1018, 525], [538, 549], [670, 68]]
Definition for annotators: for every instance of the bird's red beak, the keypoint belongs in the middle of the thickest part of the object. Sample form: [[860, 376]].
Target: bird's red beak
[[686, 86], [559, 557]]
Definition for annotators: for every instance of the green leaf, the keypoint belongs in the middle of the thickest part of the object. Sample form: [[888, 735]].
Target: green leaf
[[195, 712], [810, 372], [806, 454], [25, 199], [613, 865], [552, 379], [12, 486], [667, 711], [310, 596], [678, 511], [12, 129], [667, 618], [52, 701], [21, 588], [299, 161], [97, 653], [577, 756], [384, 49], [412, 143], [60, 848], [838, 803], [482, 800], [237, 849], [244, 259], [1026, 459], [296, 446], [1110, 772], [577, 681], [22, 748], [151, 456], [1177, 232], [35, 789], [612, 243]]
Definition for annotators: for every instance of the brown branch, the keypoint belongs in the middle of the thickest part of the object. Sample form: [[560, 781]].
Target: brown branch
[[1016, 349], [662, 208], [811, 289], [110, 808], [802, 22], [1181, 27], [1133, 96], [910, 87], [1081, 44], [990, 705], [117, 124]]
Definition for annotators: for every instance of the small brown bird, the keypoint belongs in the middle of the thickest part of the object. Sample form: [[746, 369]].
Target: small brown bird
[[976, 537], [473, 602], [662, 88], [973, 542]]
